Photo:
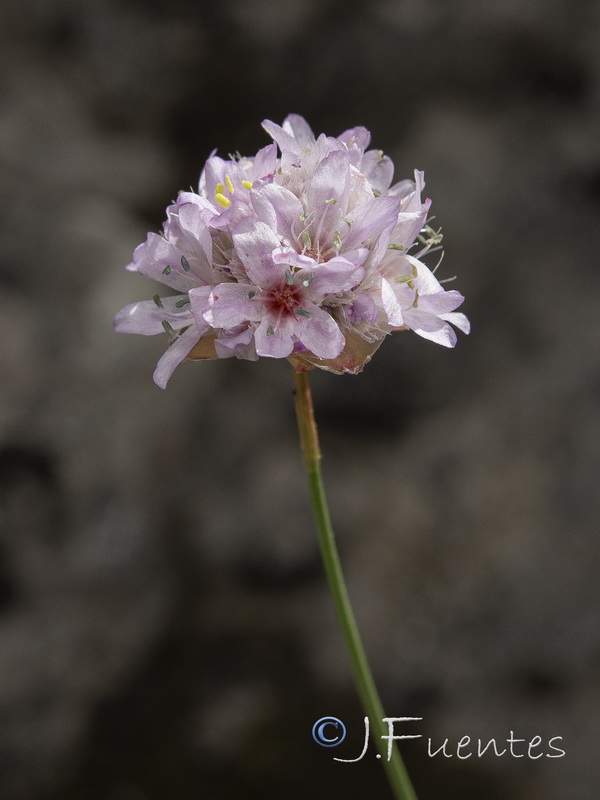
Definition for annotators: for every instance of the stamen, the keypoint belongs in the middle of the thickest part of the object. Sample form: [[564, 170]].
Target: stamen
[[222, 200], [307, 281], [270, 331], [251, 293], [158, 301], [306, 241], [396, 247], [185, 264], [302, 313], [182, 303], [247, 185], [230, 188], [167, 270], [289, 278], [337, 241], [169, 329]]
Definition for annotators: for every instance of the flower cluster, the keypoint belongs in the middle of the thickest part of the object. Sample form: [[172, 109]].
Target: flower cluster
[[310, 255]]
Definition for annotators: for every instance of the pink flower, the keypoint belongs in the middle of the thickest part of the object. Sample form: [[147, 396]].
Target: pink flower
[[303, 256]]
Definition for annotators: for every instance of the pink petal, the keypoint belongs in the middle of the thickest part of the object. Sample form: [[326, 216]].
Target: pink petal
[[176, 353], [230, 304], [378, 170], [255, 242], [274, 336], [372, 218], [147, 317], [336, 275], [460, 320], [278, 208], [319, 332], [285, 140], [265, 163], [158, 259], [440, 302], [299, 128], [391, 305]]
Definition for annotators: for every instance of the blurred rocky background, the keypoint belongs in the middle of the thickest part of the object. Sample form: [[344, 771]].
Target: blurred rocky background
[[165, 629]]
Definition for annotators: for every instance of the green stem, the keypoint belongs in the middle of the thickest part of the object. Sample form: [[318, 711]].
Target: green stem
[[396, 771]]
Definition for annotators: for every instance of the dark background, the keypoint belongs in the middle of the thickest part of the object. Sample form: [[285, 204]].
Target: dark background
[[166, 632]]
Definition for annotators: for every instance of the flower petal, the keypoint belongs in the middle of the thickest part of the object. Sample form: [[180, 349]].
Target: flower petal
[[370, 219], [146, 317], [299, 128], [356, 140], [440, 302], [255, 242], [320, 333], [278, 208], [230, 304], [460, 320], [336, 275], [274, 336], [284, 139], [378, 169], [156, 258], [327, 195], [265, 163], [391, 304], [176, 353]]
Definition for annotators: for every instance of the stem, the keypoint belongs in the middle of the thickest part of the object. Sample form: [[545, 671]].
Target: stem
[[396, 771]]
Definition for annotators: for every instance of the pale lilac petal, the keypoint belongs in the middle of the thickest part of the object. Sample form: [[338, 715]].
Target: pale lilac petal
[[336, 275], [146, 317], [289, 257], [199, 304], [460, 320], [391, 305], [241, 335], [402, 189], [254, 242], [327, 195], [440, 302], [378, 169], [299, 128], [413, 201], [265, 163], [319, 332], [409, 225], [444, 335], [274, 336], [372, 218], [230, 304], [356, 140], [158, 259], [427, 282], [176, 353], [328, 182], [278, 208], [363, 309], [285, 140]]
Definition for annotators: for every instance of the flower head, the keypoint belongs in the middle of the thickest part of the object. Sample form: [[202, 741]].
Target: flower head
[[311, 255]]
